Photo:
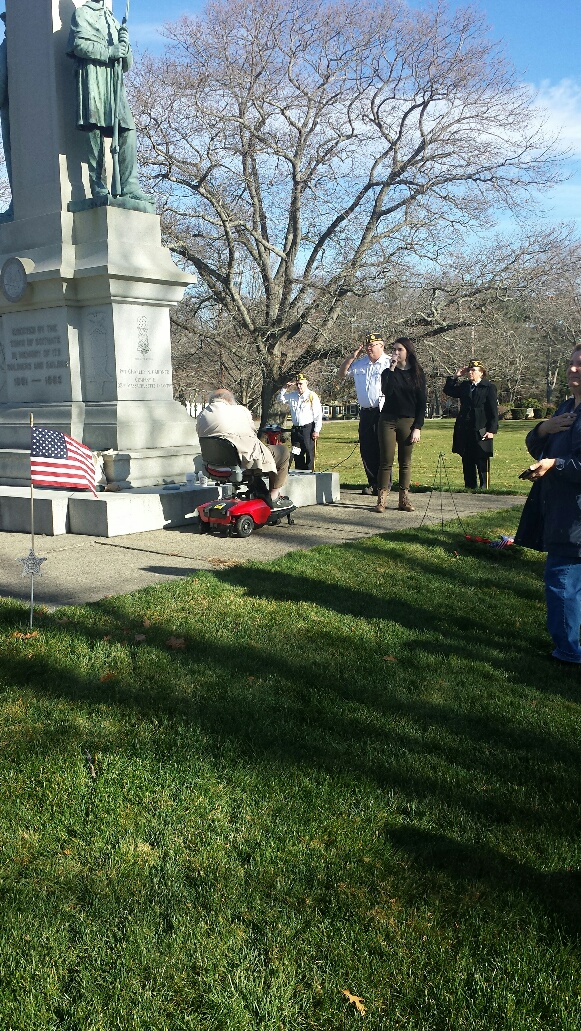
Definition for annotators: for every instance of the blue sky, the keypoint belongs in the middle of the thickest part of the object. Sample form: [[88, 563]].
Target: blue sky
[[542, 38]]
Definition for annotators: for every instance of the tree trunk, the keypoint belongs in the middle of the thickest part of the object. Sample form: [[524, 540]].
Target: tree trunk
[[269, 389]]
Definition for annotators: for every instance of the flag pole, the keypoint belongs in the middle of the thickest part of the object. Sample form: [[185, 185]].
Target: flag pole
[[118, 85], [31, 563]]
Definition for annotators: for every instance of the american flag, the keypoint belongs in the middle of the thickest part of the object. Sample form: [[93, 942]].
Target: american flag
[[59, 461]]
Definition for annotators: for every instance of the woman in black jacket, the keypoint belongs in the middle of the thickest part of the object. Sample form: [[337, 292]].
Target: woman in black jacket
[[402, 417], [477, 421]]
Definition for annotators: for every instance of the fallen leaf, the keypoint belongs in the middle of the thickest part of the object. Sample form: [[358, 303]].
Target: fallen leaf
[[140, 638], [356, 1000], [176, 642], [107, 676], [389, 658], [107, 637], [146, 622], [24, 637]]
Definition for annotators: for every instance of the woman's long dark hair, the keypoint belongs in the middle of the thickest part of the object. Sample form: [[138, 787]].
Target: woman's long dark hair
[[418, 376]]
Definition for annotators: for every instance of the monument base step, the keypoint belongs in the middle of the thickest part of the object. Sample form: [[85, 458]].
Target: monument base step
[[51, 511], [304, 488], [149, 467], [136, 510]]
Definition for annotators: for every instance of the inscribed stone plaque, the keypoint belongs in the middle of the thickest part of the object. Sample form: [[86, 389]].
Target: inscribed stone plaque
[[36, 357]]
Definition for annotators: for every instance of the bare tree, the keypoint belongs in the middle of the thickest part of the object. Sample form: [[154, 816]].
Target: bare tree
[[302, 149]]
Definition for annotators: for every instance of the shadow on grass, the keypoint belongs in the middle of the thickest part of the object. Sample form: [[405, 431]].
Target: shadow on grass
[[371, 725], [217, 700], [467, 865]]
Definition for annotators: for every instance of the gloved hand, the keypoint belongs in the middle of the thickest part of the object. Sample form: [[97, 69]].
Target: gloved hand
[[118, 50]]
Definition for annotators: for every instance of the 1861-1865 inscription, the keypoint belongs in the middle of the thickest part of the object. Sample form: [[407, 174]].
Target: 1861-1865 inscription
[[36, 363]]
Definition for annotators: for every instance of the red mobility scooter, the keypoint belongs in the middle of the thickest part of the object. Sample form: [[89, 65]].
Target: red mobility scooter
[[249, 507]]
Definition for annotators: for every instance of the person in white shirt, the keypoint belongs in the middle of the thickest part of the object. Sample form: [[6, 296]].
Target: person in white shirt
[[307, 419], [366, 370]]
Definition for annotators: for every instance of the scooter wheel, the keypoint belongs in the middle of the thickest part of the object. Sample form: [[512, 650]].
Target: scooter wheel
[[244, 525]]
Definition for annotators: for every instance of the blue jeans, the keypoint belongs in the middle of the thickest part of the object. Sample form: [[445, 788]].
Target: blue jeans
[[563, 596]]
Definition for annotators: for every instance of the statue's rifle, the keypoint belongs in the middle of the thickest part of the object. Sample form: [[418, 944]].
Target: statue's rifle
[[118, 83]]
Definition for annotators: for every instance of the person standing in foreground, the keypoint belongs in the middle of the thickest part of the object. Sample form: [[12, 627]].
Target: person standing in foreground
[[402, 417], [366, 371], [307, 419], [476, 424], [556, 444], [223, 417]]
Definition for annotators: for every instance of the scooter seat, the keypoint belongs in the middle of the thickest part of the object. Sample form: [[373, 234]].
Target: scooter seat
[[222, 472]]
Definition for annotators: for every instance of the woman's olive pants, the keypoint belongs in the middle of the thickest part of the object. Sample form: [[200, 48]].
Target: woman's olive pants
[[391, 433]]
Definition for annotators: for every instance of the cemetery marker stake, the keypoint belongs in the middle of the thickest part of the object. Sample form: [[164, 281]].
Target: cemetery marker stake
[[31, 563]]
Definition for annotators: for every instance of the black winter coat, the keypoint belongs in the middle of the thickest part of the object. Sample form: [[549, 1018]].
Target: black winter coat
[[478, 415], [559, 510]]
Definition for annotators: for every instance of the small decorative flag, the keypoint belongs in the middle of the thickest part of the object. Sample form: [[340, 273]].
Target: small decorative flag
[[503, 542], [57, 460]]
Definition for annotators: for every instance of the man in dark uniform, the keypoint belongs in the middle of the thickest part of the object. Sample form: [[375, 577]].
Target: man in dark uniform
[[477, 422]]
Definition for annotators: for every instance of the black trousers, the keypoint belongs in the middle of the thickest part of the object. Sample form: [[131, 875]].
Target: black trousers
[[302, 436], [475, 462], [369, 443]]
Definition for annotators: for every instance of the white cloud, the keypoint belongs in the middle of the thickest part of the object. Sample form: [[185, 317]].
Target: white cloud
[[560, 109]]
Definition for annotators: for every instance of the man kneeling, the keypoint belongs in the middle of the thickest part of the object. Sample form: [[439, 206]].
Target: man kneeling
[[223, 417]]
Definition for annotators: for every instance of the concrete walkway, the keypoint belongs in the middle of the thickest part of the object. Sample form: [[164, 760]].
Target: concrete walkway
[[85, 569]]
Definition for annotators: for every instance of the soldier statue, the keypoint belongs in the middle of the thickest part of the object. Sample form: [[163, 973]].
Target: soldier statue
[[102, 53]]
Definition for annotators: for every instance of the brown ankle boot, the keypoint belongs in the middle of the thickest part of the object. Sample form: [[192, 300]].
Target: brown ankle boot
[[381, 500], [404, 502]]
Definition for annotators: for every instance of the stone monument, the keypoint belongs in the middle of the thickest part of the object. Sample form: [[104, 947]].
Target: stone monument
[[86, 286]]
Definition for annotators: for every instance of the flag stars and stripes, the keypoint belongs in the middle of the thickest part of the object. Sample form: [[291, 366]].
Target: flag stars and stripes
[[57, 460]]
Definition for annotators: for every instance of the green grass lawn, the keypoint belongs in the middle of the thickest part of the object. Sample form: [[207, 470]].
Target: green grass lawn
[[338, 448], [353, 769]]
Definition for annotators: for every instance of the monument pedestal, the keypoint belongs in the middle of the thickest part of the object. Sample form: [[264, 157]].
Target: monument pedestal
[[86, 347], [85, 291]]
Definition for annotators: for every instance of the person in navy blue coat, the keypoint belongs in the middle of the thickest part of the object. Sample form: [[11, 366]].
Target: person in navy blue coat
[[477, 422], [556, 446]]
